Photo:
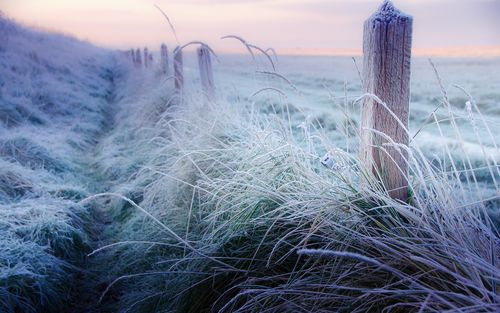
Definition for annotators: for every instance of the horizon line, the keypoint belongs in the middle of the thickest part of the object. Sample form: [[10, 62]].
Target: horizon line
[[467, 51], [452, 51]]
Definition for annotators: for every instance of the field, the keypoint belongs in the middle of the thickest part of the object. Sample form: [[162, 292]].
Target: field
[[119, 195]]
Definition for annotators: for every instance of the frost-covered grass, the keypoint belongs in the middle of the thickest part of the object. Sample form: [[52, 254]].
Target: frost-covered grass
[[54, 98], [232, 211], [226, 206]]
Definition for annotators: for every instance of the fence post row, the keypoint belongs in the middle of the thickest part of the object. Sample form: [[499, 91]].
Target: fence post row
[[206, 72], [386, 73], [138, 61], [131, 54], [146, 56], [178, 70], [164, 58]]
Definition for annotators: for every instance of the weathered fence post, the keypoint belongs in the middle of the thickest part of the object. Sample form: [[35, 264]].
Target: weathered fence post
[[178, 70], [138, 61], [386, 74], [146, 57], [164, 58], [150, 59], [131, 54], [206, 72]]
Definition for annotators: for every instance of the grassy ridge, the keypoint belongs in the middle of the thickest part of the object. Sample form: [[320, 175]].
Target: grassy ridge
[[54, 97], [235, 212]]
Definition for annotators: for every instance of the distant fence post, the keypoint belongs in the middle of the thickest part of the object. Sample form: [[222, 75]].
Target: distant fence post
[[131, 54], [146, 57], [150, 59], [386, 74], [138, 61], [178, 70], [206, 72], [164, 58]]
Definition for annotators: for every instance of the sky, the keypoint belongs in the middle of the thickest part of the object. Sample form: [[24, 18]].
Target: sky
[[449, 27]]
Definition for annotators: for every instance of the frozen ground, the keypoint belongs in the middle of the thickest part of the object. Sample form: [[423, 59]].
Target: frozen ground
[[320, 83], [55, 102], [319, 87], [77, 120], [324, 90]]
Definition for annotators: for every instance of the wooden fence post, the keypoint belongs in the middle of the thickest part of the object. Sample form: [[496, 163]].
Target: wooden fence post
[[206, 72], [164, 58], [386, 74], [178, 70], [146, 57], [132, 55], [138, 61]]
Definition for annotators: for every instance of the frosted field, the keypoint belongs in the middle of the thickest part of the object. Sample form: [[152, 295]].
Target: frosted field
[[322, 83], [319, 87], [117, 195]]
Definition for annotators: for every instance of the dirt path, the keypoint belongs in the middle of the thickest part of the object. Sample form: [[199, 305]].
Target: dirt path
[[91, 282], [108, 164]]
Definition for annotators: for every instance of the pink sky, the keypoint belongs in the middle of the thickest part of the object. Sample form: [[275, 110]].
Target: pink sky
[[290, 26]]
